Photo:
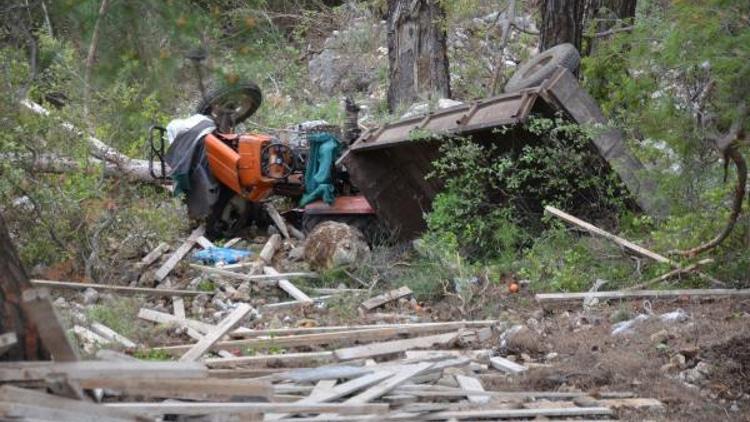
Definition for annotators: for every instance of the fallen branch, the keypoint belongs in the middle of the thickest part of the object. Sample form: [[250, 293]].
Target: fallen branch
[[674, 273], [127, 166], [132, 170], [726, 144]]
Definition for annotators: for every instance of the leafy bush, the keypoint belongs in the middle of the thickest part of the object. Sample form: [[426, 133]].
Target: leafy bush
[[493, 198]]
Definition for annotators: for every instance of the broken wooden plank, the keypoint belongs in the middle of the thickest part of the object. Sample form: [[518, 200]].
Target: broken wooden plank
[[626, 243], [269, 249], [30, 404], [232, 242], [297, 340], [341, 390], [472, 384], [7, 341], [633, 403], [287, 286], [190, 324], [638, 294], [217, 333], [192, 388], [286, 359], [204, 243], [335, 291], [321, 387], [178, 306], [386, 297], [294, 303], [119, 289], [617, 239], [188, 408], [111, 335], [405, 328], [155, 254], [396, 346], [180, 253], [263, 279], [505, 365], [38, 307], [518, 413], [39, 370], [401, 376], [278, 220], [164, 318]]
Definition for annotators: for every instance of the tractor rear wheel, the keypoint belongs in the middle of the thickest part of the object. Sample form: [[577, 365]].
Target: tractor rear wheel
[[231, 105]]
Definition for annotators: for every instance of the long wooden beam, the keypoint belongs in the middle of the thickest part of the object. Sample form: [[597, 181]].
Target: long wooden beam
[[153, 409], [119, 289], [637, 294]]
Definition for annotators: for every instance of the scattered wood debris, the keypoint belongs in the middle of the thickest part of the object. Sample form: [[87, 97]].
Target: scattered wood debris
[[399, 371], [386, 297]]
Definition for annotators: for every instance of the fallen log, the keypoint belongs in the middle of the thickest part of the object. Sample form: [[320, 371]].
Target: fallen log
[[127, 166]]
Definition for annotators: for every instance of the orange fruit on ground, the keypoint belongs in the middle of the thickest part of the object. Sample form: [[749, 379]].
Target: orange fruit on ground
[[513, 287]]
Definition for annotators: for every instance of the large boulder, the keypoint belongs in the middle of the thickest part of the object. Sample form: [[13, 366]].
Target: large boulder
[[332, 244]]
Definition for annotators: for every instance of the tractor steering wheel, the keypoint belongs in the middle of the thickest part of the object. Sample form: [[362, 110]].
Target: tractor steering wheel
[[277, 161]]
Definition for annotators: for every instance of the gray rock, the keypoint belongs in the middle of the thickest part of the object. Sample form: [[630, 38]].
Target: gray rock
[[90, 296]]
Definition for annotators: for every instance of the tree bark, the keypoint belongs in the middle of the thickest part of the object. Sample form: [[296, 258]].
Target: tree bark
[[417, 52], [562, 22]]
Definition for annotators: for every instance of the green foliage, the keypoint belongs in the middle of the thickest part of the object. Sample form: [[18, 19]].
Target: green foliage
[[675, 79], [152, 354], [206, 286], [116, 314], [493, 197]]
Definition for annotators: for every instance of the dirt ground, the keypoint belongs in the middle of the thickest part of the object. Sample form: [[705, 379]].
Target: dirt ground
[[697, 365], [571, 349]]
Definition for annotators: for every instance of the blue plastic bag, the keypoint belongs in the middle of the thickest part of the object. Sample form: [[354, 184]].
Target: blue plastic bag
[[225, 255]]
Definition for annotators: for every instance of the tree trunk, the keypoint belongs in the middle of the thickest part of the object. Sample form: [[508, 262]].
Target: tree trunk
[[562, 22], [417, 53], [27, 311]]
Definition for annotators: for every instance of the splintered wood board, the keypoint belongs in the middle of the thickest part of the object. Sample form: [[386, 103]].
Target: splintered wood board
[[180, 253], [386, 297], [396, 346]]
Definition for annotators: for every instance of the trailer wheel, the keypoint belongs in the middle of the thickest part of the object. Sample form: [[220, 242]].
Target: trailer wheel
[[543, 65]]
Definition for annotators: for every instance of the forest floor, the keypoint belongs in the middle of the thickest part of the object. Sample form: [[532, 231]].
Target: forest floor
[[692, 355]]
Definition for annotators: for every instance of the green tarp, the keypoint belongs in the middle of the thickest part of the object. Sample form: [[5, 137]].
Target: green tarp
[[324, 150]]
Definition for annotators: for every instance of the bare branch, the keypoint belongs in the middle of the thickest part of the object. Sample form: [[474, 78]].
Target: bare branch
[[727, 145]]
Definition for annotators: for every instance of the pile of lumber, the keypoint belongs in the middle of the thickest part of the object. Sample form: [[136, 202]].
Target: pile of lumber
[[418, 371]]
